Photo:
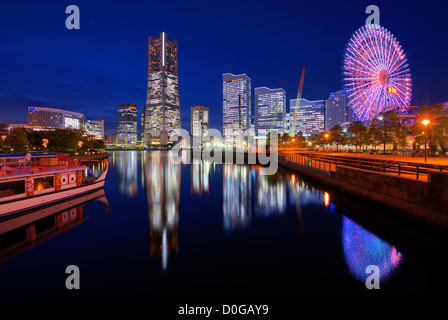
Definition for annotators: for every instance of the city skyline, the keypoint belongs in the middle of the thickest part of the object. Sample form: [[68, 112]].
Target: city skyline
[[56, 77]]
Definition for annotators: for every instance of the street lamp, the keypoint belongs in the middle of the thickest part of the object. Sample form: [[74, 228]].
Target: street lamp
[[326, 138], [426, 122]]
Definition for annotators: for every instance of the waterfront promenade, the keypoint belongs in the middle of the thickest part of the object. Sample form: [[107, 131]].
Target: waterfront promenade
[[413, 189], [437, 160]]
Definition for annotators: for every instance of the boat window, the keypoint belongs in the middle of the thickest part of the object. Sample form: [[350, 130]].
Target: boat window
[[43, 183], [11, 188]]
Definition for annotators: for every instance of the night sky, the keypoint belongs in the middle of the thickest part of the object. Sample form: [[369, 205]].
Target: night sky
[[103, 64]]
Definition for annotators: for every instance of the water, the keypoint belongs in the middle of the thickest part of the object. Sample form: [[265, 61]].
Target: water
[[206, 230]]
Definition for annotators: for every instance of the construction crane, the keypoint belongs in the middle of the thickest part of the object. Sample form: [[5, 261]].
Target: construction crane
[[299, 96]]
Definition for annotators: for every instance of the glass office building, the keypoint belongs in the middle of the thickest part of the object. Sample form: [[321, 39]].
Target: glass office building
[[310, 116], [95, 129], [199, 122], [269, 110], [236, 89], [55, 118], [127, 118], [337, 110], [162, 110]]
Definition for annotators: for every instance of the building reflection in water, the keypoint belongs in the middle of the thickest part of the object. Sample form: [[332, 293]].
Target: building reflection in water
[[200, 171], [237, 192], [126, 163], [162, 183], [296, 187], [362, 248], [271, 194], [25, 232]]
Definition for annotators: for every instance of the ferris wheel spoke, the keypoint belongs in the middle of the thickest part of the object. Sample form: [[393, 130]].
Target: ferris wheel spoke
[[365, 71], [401, 73], [395, 58], [374, 50], [377, 49], [402, 66], [361, 54], [390, 51]]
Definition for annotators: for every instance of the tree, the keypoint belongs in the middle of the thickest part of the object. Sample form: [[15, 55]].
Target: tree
[[299, 140], [35, 139], [63, 140], [17, 140], [373, 134], [357, 130], [389, 128], [3, 133], [338, 136], [437, 129], [315, 139], [268, 138], [3, 128], [285, 138]]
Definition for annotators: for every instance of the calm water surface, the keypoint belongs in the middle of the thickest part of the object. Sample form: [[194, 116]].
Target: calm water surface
[[206, 230]]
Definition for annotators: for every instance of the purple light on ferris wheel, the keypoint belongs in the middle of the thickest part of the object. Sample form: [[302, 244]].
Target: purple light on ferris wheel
[[376, 73]]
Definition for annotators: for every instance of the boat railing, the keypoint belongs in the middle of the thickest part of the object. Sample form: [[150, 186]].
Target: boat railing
[[20, 160]]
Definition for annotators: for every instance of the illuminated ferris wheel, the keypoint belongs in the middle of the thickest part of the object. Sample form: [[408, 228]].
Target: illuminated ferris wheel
[[376, 73]]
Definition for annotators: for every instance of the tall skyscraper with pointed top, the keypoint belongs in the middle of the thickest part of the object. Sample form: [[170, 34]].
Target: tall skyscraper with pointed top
[[162, 109]]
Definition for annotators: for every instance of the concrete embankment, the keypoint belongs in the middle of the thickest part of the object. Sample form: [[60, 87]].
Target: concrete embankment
[[426, 201]]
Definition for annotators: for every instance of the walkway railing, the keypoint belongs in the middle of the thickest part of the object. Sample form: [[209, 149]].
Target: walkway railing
[[329, 163], [318, 164]]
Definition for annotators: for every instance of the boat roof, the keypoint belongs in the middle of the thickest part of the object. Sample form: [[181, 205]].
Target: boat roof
[[24, 154]]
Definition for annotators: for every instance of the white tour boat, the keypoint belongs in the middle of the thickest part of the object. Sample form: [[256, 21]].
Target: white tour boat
[[31, 181]]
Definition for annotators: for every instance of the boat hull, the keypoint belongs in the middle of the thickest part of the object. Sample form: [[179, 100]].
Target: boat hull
[[35, 202]]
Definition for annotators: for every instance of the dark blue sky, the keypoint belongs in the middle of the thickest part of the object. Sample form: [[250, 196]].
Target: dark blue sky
[[103, 64]]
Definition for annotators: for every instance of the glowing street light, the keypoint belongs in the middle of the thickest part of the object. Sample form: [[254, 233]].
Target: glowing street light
[[326, 138], [426, 122]]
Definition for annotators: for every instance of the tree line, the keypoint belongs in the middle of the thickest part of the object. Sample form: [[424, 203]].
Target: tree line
[[21, 140], [385, 129]]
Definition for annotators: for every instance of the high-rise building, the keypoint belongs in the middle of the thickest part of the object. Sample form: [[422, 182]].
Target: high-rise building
[[199, 122], [95, 129], [55, 118], [127, 118], [269, 110], [162, 110], [236, 91], [337, 110], [310, 116]]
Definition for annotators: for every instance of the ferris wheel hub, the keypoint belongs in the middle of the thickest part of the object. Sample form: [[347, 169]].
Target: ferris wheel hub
[[383, 77]]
